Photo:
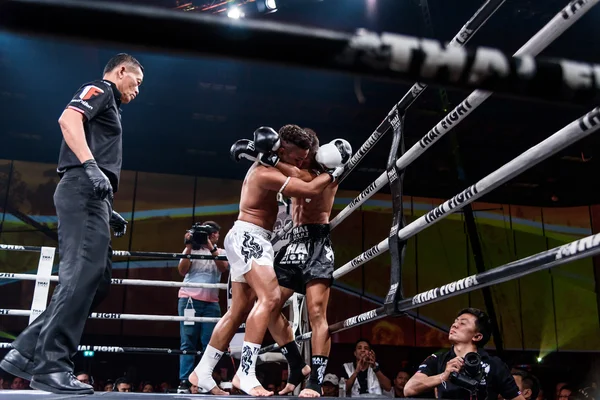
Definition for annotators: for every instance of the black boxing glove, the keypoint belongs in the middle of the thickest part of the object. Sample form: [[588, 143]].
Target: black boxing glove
[[102, 186], [118, 224], [266, 140], [243, 148]]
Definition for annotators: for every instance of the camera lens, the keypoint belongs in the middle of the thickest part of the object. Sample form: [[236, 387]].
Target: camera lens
[[472, 364]]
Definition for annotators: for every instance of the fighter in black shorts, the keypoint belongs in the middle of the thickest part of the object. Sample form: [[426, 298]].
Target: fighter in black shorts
[[305, 265]]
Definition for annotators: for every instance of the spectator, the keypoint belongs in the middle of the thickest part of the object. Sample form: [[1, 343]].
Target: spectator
[[84, 377], [122, 385], [364, 375], [19, 384], [446, 374], [399, 383], [201, 239], [528, 385], [330, 386], [109, 385], [565, 391], [147, 388]]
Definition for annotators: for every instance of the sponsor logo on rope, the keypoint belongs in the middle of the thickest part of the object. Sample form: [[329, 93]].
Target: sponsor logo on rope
[[120, 253], [37, 311], [445, 290], [417, 88], [116, 281], [106, 316], [372, 187], [455, 202], [4, 312], [105, 349], [360, 318], [11, 247], [6, 275], [589, 120], [371, 141], [572, 8], [578, 246], [372, 252], [42, 283], [401, 54], [446, 124], [464, 35]]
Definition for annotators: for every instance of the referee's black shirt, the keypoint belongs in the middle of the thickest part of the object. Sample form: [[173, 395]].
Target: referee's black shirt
[[496, 379], [99, 102]]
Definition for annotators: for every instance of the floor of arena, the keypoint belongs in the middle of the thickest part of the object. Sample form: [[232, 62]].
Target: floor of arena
[[32, 394]]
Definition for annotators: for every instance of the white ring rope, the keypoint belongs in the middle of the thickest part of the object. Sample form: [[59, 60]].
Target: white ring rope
[[544, 37], [132, 317], [571, 133], [117, 281]]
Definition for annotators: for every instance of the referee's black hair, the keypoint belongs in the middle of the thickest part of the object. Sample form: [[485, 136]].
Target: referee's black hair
[[121, 58]]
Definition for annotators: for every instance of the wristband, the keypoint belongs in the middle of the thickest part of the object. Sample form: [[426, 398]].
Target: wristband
[[376, 368], [215, 248]]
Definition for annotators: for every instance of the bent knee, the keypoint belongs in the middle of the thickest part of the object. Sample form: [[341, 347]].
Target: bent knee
[[316, 312], [271, 300]]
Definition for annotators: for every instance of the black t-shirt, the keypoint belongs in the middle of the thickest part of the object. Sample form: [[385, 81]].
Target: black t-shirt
[[496, 378], [99, 102], [361, 377]]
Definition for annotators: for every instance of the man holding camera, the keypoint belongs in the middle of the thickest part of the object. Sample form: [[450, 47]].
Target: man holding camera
[[198, 302], [466, 371]]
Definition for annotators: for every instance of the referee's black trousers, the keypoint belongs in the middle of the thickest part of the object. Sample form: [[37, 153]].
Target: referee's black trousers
[[84, 273]]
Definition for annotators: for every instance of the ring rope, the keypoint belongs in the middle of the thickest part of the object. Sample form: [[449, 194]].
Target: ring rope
[[118, 281], [583, 248], [576, 130], [119, 349], [542, 39], [125, 253], [400, 58], [129, 317]]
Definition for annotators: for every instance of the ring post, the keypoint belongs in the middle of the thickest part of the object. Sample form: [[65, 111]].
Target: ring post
[[42, 283], [396, 245]]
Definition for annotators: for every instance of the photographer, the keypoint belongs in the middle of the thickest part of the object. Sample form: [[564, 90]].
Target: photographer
[[466, 371], [198, 302]]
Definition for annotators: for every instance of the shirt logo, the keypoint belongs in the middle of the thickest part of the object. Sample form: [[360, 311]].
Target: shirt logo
[[90, 91]]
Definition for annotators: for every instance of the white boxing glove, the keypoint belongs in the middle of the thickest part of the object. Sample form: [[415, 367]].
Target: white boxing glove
[[334, 154]]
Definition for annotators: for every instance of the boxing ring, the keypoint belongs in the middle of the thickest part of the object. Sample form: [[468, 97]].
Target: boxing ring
[[390, 56]]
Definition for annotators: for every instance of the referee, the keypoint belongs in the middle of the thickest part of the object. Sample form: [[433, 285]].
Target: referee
[[89, 165]]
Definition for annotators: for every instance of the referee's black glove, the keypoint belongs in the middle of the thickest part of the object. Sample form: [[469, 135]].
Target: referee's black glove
[[118, 224], [102, 187]]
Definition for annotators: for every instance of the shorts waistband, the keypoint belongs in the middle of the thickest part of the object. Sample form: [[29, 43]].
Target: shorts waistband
[[313, 231], [258, 230]]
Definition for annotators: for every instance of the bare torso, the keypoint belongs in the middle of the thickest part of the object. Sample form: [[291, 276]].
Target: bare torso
[[258, 206], [315, 211]]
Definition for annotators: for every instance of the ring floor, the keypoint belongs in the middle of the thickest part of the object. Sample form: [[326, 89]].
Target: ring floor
[[38, 394]]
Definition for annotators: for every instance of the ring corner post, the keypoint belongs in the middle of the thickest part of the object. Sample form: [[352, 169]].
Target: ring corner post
[[397, 246]]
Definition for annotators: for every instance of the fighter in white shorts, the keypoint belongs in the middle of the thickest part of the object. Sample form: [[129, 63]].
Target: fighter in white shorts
[[250, 253]]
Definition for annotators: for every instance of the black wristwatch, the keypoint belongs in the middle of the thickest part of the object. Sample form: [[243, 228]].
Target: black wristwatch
[[215, 248], [376, 367]]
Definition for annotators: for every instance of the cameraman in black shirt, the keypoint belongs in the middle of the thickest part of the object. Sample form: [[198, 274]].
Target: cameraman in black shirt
[[466, 371], [89, 165]]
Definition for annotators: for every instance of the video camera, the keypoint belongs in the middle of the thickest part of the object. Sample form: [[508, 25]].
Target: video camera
[[471, 373], [199, 234]]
